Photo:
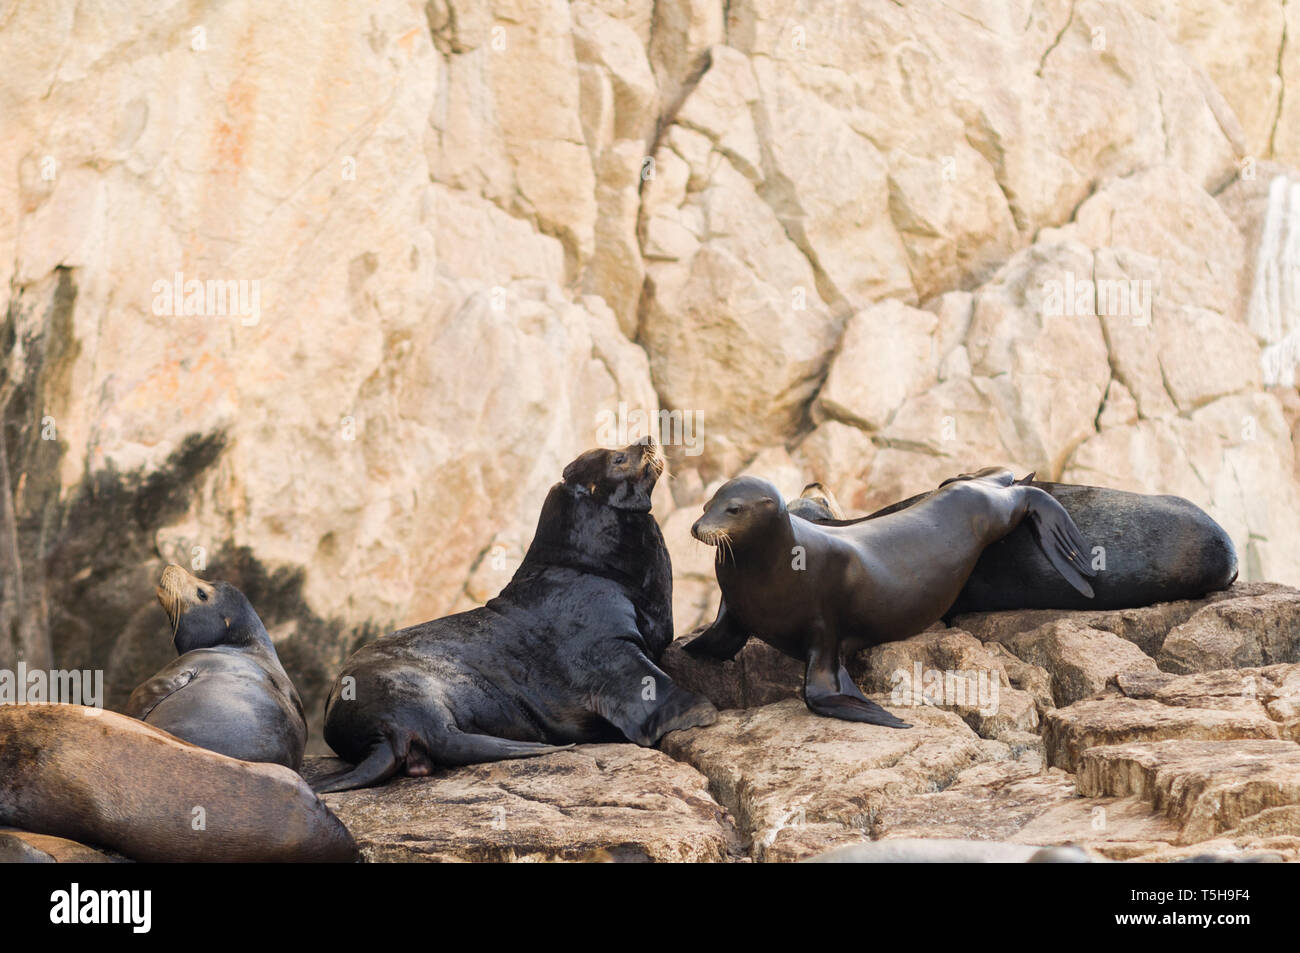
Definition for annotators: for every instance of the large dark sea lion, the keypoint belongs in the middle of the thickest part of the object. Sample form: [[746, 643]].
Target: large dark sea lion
[[565, 654], [227, 692], [1145, 548], [819, 592], [104, 779]]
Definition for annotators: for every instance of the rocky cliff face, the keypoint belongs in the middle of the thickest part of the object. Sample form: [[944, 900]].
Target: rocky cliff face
[[440, 247]]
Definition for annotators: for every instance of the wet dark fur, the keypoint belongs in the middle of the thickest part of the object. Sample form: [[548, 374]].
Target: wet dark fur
[[565, 654]]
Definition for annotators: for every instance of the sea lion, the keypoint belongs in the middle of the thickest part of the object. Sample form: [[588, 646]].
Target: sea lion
[[818, 592], [24, 847], [816, 503], [103, 779], [565, 654], [1147, 548], [227, 692]]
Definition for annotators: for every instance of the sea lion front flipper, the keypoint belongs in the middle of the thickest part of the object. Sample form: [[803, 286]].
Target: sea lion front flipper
[[644, 703], [721, 640], [148, 695], [829, 691], [1059, 539]]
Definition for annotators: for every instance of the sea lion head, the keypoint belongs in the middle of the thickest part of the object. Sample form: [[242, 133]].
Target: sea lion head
[[203, 614], [622, 479], [816, 502], [741, 509]]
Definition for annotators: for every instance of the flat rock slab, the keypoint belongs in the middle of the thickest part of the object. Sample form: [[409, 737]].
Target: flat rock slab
[[992, 801], [945, 850], [1205, 787], [1263, 629], [1115, 719], [953, 670], [1252, 703], [1275, 689], [1082, 661], [798, 783], [611, 802], [946, 667], [1267, 607], [1010, 802]]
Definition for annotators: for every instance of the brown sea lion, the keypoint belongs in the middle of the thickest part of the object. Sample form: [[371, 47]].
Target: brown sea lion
[[105, 779]]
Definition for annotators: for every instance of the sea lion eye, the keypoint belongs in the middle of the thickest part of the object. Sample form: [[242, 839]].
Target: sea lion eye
[[733, 509], [203, 596], [620, 459]]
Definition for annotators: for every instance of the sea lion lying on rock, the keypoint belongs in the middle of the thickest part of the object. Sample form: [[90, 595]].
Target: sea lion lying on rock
[[1146, 549], [565, 654], [227, 692], [104, 779], [821, 591]]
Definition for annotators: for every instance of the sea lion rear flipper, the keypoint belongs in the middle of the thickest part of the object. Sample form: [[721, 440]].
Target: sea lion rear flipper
[[379, 765], [828, 690], [148, 695], [1060, 540], [453, 749], [721, 640], [457, 748]]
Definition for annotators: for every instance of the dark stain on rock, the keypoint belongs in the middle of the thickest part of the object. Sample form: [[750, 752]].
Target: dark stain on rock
[[78, 567]]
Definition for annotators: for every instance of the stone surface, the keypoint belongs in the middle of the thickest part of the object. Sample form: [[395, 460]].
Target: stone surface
[[1080, 660], [1259, 703], [594, 803], [948, 851], [950, 669], [796, 782], [1205, 787], [1236, 633], [1267, 605], [1014, 802], [758, 675], [887, 354]]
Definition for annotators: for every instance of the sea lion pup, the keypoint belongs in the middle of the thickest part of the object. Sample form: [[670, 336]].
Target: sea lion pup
[[1149, 548], [227, 692], [819, 592], [565, 654], [104, 779]]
